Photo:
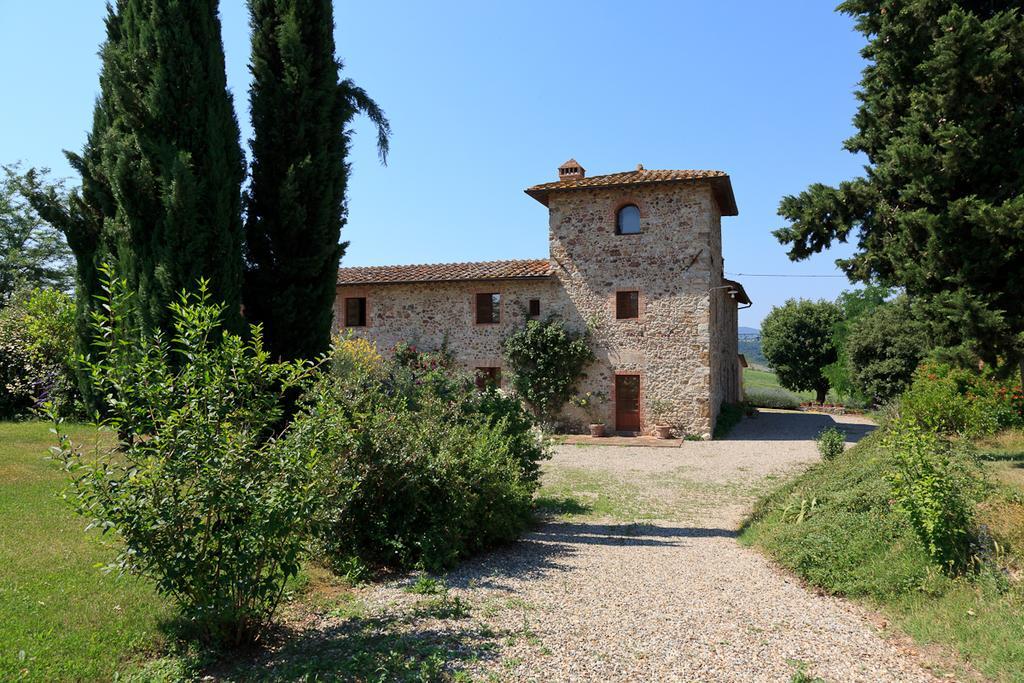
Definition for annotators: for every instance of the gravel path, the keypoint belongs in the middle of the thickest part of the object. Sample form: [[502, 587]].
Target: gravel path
[[672, 597]]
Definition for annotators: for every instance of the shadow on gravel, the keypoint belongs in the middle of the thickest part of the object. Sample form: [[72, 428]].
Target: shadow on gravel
[[396, 648], [544, 550], [623, 534], [793, 426]]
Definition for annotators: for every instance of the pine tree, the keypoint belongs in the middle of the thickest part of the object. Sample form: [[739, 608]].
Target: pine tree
[[295, 207], [162, 168], [940, 211]]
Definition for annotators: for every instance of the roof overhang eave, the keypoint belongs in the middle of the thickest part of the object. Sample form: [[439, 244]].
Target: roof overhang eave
[[370, 283], [721, 187]]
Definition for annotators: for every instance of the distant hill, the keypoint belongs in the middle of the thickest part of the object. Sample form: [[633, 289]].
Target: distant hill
[[750, 346]]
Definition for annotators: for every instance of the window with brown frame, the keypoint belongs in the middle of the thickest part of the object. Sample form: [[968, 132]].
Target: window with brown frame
[[534, 311], [488, 377], [488, 308], [627, 305], [627, 220], [355, 311]]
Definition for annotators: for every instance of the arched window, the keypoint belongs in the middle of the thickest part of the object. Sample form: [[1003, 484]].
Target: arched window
[[627, 222]]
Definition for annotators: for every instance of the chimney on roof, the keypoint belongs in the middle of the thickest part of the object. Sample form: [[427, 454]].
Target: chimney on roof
[[571, 170]]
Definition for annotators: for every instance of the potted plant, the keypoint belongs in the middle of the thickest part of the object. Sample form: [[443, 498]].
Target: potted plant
[[592, 403], [658, 409]]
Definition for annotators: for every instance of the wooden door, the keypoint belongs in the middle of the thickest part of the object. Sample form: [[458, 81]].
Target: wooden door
[[627, 403]]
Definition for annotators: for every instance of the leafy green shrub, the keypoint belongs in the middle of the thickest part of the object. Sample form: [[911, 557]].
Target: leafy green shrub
[[37, 339], [951, 400], [547, 360], [771, 397], [797, 339], [423, 467], [883, 349], [933, 484], [851, 540], [831, 443], [208, 501]]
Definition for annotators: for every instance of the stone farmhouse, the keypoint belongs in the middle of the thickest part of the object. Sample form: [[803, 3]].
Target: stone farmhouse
[[637, 256]]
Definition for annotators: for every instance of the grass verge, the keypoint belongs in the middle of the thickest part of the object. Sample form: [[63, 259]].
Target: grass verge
[[835, 527], [63, 618]]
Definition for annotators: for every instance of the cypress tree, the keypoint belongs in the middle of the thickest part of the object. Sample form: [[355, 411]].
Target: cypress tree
[[295, 207], [172, 155], [939, 211], [162, 167]]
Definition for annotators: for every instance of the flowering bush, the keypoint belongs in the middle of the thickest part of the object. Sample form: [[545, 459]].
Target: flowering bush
[[954, 400]]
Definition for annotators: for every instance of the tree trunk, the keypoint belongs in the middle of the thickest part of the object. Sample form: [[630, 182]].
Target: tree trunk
[[822, 392]]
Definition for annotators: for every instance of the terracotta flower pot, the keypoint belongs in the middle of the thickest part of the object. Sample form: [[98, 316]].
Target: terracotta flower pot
[[597, 430], [663, 431]]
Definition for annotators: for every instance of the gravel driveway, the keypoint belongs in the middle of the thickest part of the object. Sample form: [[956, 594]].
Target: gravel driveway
[[640, 577]]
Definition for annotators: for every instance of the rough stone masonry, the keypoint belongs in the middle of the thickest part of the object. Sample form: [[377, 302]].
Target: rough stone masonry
[[663, 318]]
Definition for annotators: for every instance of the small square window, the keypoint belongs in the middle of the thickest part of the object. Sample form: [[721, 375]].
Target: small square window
[[355, 311], [488, 308], [488, 377], [534, 311], [627, 305]]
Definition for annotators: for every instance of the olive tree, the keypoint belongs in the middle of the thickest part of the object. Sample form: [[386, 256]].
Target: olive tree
[[798, 341]]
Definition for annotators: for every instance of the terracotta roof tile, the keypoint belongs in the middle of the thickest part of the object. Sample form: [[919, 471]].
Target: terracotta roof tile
[[445, 272], [719, 179]]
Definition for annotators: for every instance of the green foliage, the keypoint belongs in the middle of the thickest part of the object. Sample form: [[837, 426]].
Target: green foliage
[[423, 467], [295, 205], [849, 539], [797, 339], [939, 211], [853, 305], [32, 253], [936, 486], [161, 169], [855, 542], [831, 443], [592, 403], [883, 349], [209, 502], [36, 353], [547, 360], [956, 401]]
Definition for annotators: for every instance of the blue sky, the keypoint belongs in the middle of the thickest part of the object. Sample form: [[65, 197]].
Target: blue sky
[[488, 98]]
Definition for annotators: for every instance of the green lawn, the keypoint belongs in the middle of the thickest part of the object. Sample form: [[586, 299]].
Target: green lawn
[[63, 619], [765, 384], [835, 527]]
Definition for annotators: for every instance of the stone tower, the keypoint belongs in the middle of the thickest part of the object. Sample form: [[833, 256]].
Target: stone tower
[[639, 258]]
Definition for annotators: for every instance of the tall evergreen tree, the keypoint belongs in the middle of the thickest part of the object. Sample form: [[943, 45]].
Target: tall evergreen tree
[[296, 204], [940, 210], [162, 167]]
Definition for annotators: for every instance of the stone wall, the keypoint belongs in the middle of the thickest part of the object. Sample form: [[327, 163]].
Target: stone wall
[[725, 369], [683, 345], [433, 314], [670, 262]]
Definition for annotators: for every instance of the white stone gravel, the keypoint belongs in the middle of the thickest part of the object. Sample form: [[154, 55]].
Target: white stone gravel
[[668, 600]]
